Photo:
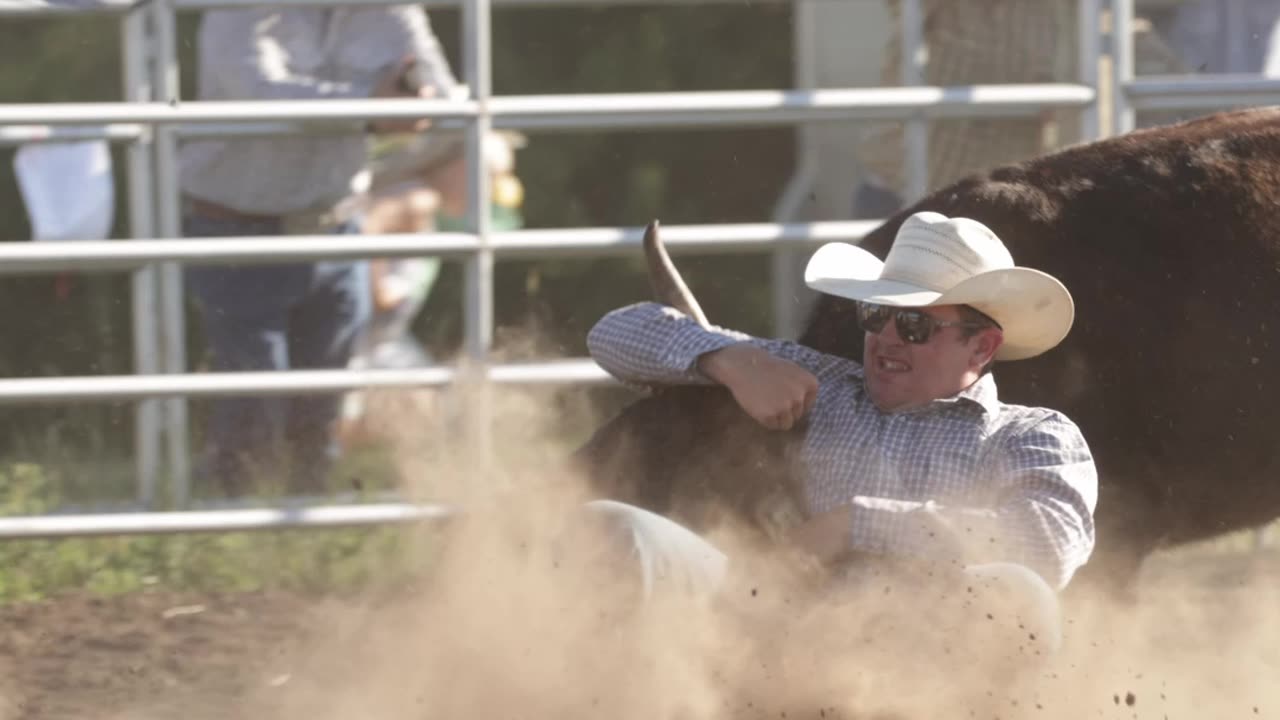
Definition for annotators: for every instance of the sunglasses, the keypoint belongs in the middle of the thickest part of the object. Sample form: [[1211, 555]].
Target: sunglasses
[[913, 326]]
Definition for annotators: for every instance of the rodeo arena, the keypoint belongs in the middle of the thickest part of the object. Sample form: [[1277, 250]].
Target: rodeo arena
[[687, 359]]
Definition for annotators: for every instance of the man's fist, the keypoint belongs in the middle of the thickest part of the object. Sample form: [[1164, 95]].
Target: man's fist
[[776, 392]]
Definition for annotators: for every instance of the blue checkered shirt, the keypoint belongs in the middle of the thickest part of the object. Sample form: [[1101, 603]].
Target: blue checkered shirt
[[965, 477]]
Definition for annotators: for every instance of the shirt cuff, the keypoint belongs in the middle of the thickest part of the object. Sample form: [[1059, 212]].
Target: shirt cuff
[[683, 352]]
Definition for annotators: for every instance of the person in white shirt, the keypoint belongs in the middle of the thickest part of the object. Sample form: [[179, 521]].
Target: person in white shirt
[[301, 315]]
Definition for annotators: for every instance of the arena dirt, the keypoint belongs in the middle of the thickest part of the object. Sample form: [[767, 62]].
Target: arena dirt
[[514, 623]]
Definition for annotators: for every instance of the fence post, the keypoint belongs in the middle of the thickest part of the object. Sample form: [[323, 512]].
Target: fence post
[[479, 290], [171, 305], [787, 263], [1089, 48], [147, 420], [1123, 117], [917, 128]]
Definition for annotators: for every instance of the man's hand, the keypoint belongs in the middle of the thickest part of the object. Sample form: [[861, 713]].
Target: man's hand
[[776, 392], [392, 85]]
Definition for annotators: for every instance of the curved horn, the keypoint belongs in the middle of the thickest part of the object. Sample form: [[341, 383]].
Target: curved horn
[[668, 286]]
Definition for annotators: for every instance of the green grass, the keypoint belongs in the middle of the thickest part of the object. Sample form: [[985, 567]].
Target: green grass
[[311, 560], [320, 560]]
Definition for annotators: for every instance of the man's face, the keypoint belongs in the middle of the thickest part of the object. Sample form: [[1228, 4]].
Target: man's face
[[902, 375]]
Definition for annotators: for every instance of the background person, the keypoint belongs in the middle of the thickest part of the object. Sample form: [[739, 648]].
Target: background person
[[297, 315]]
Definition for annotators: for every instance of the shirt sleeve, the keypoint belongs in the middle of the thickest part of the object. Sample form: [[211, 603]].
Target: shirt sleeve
[[1042, 517], [653, 344], [426, 47], [240, 49], [1048, 490]]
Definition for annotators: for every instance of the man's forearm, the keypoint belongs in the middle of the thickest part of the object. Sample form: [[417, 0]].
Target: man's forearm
[[724, 365], [648, 343]]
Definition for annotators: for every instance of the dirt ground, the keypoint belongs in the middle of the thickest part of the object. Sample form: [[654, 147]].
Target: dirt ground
[[80, 656], [1203, 645]]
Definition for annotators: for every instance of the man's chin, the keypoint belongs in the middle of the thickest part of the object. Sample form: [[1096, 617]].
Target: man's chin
[[881, 399], [885, 398]]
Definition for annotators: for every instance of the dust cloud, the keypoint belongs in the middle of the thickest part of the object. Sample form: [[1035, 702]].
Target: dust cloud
[[526, 614], [524, 610]]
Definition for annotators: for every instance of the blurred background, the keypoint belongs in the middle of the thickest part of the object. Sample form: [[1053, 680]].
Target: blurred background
[[79, 324]]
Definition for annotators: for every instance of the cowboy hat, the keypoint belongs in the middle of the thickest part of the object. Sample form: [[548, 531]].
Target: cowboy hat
[[936, 260]]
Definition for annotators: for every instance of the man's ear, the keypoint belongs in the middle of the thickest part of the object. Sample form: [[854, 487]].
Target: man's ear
[[985, 344]]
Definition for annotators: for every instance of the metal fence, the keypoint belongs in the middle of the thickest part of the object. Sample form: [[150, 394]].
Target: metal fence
[[150, 125]]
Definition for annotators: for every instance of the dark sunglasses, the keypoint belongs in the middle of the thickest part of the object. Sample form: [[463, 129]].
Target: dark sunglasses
[[913, 326]]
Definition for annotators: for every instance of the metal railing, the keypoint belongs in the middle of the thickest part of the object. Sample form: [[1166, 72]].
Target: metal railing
[[107, 255], [150, 125], [1178, 92]]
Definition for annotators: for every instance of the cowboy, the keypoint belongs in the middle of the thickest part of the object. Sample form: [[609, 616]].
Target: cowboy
[[909, 453]]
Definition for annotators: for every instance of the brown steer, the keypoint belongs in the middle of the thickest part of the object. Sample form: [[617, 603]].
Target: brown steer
[[1169, 240]]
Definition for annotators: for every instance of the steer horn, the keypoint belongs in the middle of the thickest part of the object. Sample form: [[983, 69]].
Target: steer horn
[[779, 508], [668, 287]]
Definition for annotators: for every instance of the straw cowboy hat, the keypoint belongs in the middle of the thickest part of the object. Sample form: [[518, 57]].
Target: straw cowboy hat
[[936, 260]]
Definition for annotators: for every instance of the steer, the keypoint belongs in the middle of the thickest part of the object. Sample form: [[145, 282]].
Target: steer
[[1169, 240]]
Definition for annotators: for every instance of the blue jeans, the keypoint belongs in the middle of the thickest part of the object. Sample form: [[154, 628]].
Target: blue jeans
[[275, 317]]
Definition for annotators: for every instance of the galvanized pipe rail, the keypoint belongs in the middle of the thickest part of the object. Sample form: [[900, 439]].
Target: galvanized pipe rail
[[115, 388], [1201, 93], [589, 111], [44, 527], [110, 255]]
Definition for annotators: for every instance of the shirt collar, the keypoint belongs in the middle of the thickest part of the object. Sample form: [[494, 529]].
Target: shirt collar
[[981, 393]]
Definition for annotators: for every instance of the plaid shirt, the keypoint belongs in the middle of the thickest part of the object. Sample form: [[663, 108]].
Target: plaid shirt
[[978, 42], [965, 477]]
